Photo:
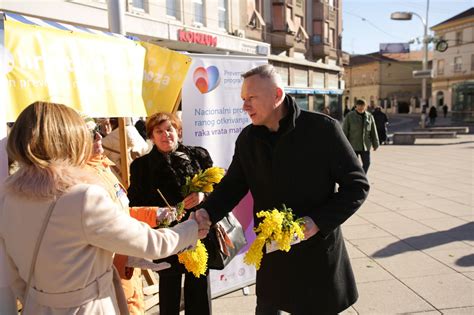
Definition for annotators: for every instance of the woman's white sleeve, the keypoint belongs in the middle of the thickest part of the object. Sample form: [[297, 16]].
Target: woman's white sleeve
[[105, 226]]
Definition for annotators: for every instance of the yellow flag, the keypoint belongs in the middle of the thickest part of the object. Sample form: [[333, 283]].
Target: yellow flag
[[99, 75], [163, 77]]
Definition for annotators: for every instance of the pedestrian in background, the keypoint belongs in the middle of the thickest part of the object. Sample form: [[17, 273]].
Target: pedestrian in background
[[359, 127], [293, 157], [136, 145], [55, 199], [445, 110], [346, 110], [433, 113], [381, 121]]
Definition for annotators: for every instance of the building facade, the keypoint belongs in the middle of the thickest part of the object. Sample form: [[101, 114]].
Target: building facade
[[453, 69], [305, 39], [198, 26], [302, 39], [384, 80]]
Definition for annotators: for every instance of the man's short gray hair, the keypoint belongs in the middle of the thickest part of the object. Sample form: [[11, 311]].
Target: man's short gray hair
[[266, 72]]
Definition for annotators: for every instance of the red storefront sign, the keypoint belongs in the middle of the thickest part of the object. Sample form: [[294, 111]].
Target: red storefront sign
[[197, 38]]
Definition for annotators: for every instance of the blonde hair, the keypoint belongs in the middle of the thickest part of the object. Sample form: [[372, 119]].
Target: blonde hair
[[49, 141]]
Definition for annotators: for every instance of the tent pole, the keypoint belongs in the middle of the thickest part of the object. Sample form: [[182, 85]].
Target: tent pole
[[115, 16]]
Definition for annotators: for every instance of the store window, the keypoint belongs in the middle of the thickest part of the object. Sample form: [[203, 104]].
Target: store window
[[334, 106], [222, 12], [302, 101], [318, 102]]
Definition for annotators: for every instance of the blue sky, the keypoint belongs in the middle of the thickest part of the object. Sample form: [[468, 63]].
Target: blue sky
[[367, 23]]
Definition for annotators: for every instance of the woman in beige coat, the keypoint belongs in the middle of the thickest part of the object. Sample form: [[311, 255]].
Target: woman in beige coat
[[73, 273]]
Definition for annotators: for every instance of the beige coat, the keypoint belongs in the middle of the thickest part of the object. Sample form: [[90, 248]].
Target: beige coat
[[84, 231]]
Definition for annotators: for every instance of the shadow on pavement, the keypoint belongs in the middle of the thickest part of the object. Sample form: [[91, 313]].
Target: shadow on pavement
[[463, 232], [466, 261]]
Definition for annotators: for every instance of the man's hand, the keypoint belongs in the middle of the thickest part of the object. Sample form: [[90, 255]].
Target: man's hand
[[202, 219], [310, 228], [193, 199]]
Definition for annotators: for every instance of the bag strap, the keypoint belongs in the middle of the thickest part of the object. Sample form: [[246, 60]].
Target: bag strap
[[37, 247]]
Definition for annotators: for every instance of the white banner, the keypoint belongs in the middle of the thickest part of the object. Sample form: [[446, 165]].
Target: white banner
[[213, 118]]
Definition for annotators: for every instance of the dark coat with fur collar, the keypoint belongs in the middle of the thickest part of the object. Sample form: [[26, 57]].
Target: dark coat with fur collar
[[299, 167]]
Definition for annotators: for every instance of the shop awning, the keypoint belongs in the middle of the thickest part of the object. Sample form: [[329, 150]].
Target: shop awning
[[96, 72], [301, 90]]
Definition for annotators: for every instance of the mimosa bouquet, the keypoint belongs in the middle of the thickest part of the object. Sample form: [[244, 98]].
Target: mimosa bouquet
[[195, 260], [202, 181], [278, 230]]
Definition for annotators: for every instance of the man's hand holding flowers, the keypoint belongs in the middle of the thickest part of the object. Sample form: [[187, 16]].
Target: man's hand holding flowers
[[310, 228]]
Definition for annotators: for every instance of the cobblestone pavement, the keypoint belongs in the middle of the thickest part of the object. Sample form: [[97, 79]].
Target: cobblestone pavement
[[411, 243]]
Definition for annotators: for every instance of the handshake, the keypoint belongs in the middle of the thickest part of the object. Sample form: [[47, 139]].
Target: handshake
[[164, 216], [204, 222]]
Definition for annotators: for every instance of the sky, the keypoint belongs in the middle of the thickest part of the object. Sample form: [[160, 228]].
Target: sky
[[367, 23]]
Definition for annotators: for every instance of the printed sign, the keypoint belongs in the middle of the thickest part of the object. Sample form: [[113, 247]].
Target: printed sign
[[213, 118]]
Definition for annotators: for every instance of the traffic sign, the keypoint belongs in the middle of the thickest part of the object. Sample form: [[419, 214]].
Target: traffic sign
[[422, 74]]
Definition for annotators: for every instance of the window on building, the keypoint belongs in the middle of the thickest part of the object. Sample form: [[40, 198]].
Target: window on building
[[256, 20], [331, 37], [326, 32], [198, 11], [458, 38], [290, 25], [440, 66], [278, 17], [472, 62], [457, 64], [138, 4], [172, 8], [222, 12]]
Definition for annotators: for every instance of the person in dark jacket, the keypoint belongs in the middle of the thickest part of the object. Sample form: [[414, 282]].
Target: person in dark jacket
[[432, 114], [166, 168], [381, 122], [293, 157], [359, 128]]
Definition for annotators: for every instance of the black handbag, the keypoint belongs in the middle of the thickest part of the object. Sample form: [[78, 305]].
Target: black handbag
[[224, 241]]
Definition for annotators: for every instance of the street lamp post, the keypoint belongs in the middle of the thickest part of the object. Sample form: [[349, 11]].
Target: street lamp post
[[406, 16]]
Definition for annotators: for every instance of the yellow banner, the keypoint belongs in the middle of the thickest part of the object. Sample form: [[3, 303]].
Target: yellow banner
[[96, 74], [163, 78]]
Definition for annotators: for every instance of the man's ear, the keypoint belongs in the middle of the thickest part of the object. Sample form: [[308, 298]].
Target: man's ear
[[279, 94]]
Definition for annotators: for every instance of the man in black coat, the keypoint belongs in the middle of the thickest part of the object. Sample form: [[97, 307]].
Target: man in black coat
[[294, 157]]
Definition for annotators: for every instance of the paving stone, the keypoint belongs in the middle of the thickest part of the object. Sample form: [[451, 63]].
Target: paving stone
[[444, 291], [389, 297]]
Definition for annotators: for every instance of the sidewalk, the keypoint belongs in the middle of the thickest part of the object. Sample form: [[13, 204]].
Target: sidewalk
[[412, 242]]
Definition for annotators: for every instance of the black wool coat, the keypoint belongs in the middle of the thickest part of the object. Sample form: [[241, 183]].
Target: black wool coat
[[164, 171], [168, 173], [300, 168]]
